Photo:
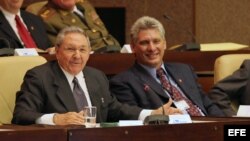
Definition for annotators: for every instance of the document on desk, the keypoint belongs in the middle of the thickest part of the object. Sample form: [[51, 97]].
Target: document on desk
[[25, 52], [222, 46], [244, 111], [179, 119], [130, 123]]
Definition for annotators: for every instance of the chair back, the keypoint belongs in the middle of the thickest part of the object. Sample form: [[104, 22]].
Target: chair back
[[12, 71], [225, 65]]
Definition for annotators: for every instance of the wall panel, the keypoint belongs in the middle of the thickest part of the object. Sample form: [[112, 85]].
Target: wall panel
[[223, 21]]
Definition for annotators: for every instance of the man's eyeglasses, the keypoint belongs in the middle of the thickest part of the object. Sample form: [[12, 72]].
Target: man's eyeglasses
[[73, 50]]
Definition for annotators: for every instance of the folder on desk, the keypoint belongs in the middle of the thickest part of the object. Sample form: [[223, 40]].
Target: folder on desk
[[227, 46], [222, 46]]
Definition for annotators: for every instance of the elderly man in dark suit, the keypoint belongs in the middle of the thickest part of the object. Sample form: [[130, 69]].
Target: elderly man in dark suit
[[47, 95], [9, 31], [234, 87], [141, 86]]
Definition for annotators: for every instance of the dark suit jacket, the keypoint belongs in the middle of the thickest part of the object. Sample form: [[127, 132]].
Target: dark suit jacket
[[235, 86], [35, 26], [46, 90], [137, 87]]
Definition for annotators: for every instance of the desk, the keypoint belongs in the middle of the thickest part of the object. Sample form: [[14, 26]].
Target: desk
[[211, 129], [202, 62], [31, 133]]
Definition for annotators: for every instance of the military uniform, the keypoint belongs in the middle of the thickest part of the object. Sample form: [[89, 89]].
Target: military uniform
[[56, 19]]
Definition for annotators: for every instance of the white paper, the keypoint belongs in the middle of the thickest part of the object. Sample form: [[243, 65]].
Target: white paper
[[182, 105], [126, 49], [243, 111], [179, 119], [130, 122], [26, 52]]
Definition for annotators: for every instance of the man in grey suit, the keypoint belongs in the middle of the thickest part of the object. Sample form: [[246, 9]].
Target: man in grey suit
[[140, 86], [234, 87], [46, 95]]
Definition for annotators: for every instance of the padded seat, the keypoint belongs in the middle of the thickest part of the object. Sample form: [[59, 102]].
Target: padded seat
[[12, 71], [225, 65]]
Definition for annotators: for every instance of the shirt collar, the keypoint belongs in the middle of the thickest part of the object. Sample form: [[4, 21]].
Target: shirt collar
[[9, 14], [152, 71], [70, 77]]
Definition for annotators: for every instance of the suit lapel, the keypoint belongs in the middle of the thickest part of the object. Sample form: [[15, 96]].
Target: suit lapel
[[63, 92], [93, 88], [185, 83], [69, 19], [177, 76], [147, 79], [5, 27], [30, 26]]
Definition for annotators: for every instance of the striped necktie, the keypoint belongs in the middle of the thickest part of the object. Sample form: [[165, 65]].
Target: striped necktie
[[176, 94]]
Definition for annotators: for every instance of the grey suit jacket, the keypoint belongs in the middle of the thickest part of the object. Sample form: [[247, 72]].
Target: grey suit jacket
[[235, 86], [137, 87], [35, 26], [46, 90]]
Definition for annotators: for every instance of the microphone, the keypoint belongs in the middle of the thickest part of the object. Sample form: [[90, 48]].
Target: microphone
[[193, 45], [159, 119], [5, 49]]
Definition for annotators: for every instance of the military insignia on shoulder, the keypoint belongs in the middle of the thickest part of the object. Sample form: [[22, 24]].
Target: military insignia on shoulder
[[94, 16], [47, 13]]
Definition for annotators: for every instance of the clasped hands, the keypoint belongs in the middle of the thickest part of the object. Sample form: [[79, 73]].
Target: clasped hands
[[69, 118], [166, 109]]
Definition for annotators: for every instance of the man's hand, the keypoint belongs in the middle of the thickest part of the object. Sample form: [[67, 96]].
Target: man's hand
[[69, 118], [166, 109], [51, 50]]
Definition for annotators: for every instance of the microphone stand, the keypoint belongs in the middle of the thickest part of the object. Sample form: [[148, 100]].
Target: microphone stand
[[157, 119], [187, 46], [5, 49]]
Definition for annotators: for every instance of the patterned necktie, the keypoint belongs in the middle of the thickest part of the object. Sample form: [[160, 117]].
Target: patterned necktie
[[80, 98], [175, 93], [24, 34]]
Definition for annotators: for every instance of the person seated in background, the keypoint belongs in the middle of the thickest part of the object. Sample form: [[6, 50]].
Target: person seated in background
[[20, 29], [150, 82], [48, 92], [235, 86], [58, 14]]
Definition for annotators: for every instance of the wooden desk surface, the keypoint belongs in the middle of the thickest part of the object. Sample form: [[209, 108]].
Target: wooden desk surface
[[211, 129], [31, 133]]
